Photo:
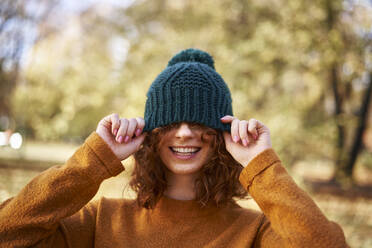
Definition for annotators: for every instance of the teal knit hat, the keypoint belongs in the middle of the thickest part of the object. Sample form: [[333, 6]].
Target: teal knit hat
[[188, 89]]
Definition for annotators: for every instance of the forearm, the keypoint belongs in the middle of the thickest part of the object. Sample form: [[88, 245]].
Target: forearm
[[292, 215], [56, 193]]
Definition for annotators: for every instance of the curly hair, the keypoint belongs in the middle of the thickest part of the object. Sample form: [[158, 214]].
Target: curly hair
[[218, 181]]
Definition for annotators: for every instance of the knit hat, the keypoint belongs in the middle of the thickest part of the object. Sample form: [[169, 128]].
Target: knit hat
[[188, 89]]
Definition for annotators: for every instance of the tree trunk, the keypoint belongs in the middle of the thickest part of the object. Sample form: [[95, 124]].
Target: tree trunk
[[362, 124], [341, 152], [7, 84]]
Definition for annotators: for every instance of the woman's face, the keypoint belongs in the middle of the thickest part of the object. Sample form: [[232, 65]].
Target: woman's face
[[182, 149]]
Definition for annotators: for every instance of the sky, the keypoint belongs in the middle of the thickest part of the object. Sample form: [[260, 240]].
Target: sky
[[62, 12], [73, 6]]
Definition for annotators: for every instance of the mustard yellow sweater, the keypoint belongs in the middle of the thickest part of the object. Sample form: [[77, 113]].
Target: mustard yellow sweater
[[53, 210]]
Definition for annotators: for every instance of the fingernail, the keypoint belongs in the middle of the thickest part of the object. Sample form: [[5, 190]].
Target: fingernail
[[115, 131], [255, 137], [126, 139], [236, 138], [120, 139], [245, 142], [138, 132]]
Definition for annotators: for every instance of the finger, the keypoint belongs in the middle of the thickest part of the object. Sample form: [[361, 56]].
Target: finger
[[106, 121], [140, 126], [243, 125], [235, 130], [252, 128], [227, 118], [122, 130], [115, 123], [260, 125], [131, 128]]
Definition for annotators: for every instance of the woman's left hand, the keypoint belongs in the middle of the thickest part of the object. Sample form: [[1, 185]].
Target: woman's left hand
[[247, 139]]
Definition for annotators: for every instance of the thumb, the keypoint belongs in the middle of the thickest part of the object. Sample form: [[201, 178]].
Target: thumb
[[227, 118], [123, 151], [138, 141], [227, 137]]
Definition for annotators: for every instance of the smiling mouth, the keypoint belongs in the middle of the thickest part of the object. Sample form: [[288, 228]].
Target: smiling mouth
[[185, 151]]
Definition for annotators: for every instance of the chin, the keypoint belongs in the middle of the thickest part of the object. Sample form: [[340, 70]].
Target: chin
[[183, 169]]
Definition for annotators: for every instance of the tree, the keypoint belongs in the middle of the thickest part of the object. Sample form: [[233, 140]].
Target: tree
[[348, 44], [76, 86], [285, 62], [18, 30]]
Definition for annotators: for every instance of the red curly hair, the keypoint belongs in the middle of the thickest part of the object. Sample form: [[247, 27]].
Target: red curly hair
[[218, 181]]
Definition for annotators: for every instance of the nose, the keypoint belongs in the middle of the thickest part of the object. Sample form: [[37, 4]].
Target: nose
[[184, 131]]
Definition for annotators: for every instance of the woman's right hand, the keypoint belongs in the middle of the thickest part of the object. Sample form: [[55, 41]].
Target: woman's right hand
[[118, 134]]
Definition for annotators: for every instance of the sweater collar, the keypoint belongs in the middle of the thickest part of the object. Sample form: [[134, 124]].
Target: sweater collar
[[173, 208]]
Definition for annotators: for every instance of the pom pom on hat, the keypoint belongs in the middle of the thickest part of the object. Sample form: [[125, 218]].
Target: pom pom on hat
[[192, 55]]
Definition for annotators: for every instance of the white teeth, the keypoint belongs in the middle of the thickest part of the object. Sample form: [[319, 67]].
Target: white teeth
[[185, 150]]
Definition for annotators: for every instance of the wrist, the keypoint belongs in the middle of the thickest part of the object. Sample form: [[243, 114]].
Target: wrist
[[105, 154], [245, 162]]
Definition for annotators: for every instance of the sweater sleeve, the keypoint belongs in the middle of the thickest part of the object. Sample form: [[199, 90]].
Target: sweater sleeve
[[46, 213], [291, 217]]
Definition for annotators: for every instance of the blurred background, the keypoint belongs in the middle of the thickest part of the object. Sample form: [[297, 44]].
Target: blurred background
[[304, 68]]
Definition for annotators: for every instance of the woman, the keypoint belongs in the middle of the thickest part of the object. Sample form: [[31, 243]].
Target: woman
[[192, 157]]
